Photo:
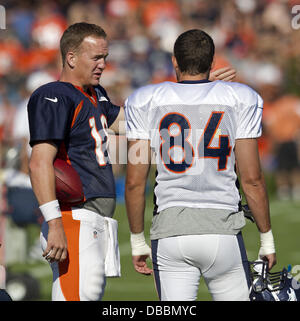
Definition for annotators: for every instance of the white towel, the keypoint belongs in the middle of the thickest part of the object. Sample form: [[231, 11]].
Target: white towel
[[112, 259]]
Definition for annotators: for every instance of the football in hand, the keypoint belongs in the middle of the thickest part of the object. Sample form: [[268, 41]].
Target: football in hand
[[68, 185]]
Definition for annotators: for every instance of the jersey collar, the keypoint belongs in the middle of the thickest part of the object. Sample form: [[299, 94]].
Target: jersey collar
[[92, 98], [202, 81]]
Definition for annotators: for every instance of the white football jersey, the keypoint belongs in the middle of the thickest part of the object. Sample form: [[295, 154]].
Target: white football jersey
[[192, 127]]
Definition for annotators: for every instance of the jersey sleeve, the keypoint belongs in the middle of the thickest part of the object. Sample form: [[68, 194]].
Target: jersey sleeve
[[136, 117], [50, 115], [249, 114], [111, 110]]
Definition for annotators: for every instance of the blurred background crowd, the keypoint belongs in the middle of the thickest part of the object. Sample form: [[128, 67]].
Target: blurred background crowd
[[256, 37]]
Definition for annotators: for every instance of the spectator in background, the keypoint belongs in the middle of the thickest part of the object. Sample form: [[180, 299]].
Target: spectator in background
[[267, 78], [21, 21], [283, 129], [10, 52], [281, 122], [48, 26]]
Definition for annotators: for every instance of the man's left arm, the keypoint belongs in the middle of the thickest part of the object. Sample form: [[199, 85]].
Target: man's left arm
[[254, 188], [139, 159]]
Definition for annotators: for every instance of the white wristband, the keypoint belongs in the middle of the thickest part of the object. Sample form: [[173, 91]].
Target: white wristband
[[50, 210], [267, 245], [139, 245]]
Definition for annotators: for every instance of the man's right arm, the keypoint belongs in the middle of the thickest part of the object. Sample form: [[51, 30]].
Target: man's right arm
[[42, 171], [43, 183], [253, 185]]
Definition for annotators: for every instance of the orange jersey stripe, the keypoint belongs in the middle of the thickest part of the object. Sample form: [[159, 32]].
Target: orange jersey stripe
[[69, 269], [77, 111]]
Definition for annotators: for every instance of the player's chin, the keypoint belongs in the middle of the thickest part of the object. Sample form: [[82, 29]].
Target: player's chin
[[95, 79]]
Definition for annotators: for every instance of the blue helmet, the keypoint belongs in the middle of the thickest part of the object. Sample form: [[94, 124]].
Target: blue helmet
[[272, 286]]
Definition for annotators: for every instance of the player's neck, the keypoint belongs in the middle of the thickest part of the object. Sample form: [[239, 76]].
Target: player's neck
[[184, 77], [68, 77]]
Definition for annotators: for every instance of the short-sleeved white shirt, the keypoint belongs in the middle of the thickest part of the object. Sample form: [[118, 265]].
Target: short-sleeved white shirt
[[193, 127]]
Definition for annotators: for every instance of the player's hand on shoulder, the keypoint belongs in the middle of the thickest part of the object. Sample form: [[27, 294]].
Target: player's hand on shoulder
[[225, 74]]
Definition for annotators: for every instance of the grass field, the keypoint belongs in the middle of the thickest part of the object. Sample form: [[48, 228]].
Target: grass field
[[133, 286]]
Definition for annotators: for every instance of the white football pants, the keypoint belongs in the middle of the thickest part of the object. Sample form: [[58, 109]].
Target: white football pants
[[81, 277], [179, 262]]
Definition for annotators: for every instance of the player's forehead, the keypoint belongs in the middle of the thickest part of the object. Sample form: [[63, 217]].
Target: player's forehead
[[94, 45]]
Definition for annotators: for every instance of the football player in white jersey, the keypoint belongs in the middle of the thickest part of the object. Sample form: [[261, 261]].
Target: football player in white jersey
[[199, 130]]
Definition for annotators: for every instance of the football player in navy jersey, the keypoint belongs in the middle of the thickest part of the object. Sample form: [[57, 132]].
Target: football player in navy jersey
[[69, 119]]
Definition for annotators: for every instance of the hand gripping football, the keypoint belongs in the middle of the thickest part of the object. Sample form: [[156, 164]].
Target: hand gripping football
[[68, 185]]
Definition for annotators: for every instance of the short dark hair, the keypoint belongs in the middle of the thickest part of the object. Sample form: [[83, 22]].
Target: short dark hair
[[194, 51], [75, 34]]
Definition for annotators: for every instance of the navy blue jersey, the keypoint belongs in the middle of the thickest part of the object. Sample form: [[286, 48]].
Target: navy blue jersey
[[77, 123]]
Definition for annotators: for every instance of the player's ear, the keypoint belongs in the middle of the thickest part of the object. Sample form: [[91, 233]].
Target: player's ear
[[71, 59], [176, 68], [174, 62], [213, 63]]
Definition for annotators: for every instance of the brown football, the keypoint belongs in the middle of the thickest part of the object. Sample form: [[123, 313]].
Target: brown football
[[68, 185]]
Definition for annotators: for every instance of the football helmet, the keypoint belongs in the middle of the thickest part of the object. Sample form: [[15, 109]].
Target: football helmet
[[272, 286]]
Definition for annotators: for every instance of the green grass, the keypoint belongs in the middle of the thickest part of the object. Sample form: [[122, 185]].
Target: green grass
[[133, 286]]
